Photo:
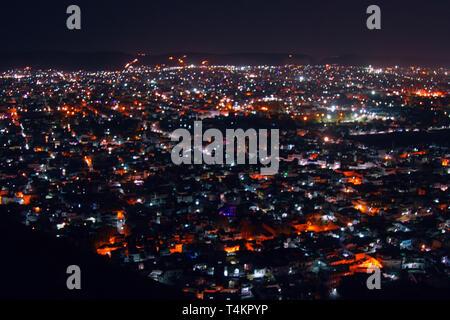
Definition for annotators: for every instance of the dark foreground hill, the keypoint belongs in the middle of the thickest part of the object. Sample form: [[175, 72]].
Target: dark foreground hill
[[33, 266]]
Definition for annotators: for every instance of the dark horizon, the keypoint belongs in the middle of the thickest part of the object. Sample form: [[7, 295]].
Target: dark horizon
[[110, 60], [321, 29]]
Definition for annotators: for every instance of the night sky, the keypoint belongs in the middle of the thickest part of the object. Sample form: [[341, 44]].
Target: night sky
[[319, 28]]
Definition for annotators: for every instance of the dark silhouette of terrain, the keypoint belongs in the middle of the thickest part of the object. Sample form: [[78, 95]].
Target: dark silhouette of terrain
[[70, 61], [354, 288], [33, 266]]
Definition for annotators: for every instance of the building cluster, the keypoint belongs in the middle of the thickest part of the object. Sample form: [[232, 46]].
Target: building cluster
[[363, 178]]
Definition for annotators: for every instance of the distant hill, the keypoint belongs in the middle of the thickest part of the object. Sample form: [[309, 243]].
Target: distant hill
[[240, 59], [357, 60], [67, 61], [117, 60]]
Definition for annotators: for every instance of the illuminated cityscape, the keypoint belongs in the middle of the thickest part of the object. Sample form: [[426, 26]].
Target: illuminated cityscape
[[225, 159], [362, 183]]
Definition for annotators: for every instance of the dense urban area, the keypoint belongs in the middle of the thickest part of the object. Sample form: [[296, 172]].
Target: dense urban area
[[362, 181]]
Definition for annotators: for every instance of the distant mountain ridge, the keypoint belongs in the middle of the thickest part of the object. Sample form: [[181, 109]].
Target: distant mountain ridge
[[70, 61]]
